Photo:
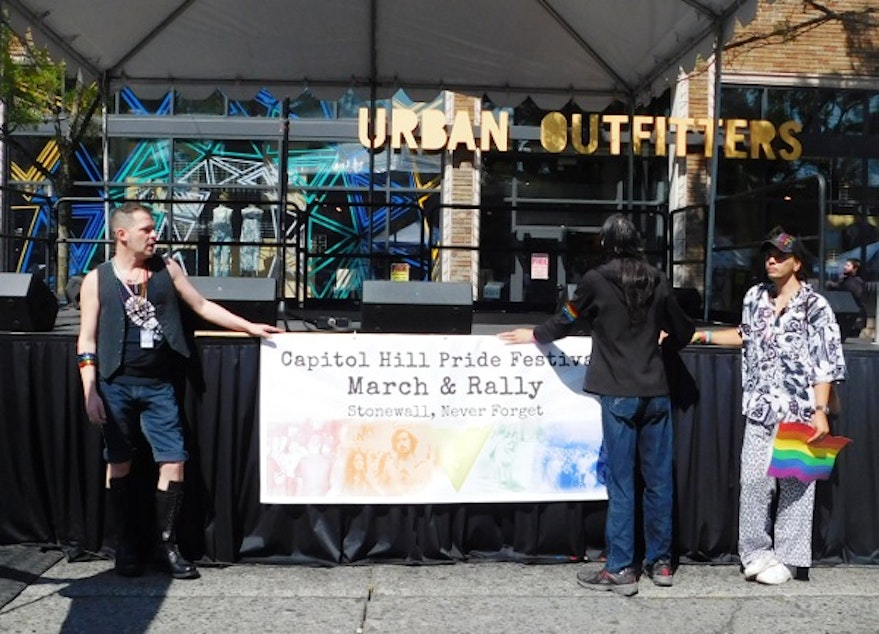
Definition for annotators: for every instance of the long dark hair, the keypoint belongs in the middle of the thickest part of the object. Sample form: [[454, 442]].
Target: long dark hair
[[621, 242]]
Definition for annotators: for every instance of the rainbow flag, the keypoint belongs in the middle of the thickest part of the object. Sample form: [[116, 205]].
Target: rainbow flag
[[792, 457]]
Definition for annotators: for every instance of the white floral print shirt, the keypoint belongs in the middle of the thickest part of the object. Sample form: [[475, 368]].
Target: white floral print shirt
[[783, 357]]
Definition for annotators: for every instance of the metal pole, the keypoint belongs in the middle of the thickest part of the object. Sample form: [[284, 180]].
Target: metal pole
[[822, 227], [876, 321], [283, 187], [630, 155], [4, 195], [105, 150], [373, 111], [715, 160]]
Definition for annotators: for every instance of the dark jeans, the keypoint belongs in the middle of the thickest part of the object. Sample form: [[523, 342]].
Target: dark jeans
[[148, 409], [637, 428]]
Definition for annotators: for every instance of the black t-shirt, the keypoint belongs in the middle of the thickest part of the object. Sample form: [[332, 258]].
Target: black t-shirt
[[142, 365]]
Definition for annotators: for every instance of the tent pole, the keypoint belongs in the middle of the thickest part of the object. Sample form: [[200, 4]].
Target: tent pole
[[105, 158], [822, 231], [4, 193], [373, 108], [715, 159], [631, 159], [283, 188]]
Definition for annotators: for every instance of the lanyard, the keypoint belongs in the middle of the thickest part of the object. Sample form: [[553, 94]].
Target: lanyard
[[143, 287]]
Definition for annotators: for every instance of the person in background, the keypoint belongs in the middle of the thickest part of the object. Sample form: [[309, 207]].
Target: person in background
[[630, 306], [851, 281], [131, 342], [792, 352]]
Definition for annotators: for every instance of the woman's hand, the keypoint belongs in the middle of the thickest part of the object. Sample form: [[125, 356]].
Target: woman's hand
[[262, 330], [821, 426], [519, 335]]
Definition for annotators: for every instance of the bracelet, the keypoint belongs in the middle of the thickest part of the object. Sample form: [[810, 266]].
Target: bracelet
[[86, 358], [701, 336]]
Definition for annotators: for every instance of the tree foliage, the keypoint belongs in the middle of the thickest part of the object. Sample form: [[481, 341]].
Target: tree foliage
[[39, 92]]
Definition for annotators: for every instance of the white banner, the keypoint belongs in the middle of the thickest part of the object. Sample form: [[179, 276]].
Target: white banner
[[376, 418]]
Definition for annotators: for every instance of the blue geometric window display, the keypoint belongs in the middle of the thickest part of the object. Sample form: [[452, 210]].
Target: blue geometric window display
[[330, 219]]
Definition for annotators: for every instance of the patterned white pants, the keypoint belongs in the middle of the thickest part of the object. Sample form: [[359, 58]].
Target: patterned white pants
[[788, 535]]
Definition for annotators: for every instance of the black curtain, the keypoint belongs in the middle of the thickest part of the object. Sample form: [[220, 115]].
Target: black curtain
[[52, 474]]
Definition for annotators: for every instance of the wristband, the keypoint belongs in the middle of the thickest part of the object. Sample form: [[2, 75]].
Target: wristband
[[707, 334], [86, 358]]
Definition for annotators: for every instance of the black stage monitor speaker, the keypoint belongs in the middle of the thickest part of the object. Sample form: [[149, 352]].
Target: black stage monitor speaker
[[250, 297], [845, 308], [690, 300], [26, 303], [416, 307]]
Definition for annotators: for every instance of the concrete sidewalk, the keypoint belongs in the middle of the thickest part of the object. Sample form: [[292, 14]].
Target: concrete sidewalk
[[484, 597]]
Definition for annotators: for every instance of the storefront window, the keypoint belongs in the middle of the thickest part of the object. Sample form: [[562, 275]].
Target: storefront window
[[837, 141], [791, 104], [873, 115], [213, 104], [350, 103], [307, 106], [216, 163], [263, 104], [139, 161], [128, 102], [841, 112], [742, 103]]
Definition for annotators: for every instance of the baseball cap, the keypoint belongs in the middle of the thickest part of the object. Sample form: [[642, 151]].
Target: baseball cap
[[786, 243]]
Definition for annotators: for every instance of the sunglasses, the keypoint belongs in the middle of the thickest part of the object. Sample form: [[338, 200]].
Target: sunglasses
[[778, 256]]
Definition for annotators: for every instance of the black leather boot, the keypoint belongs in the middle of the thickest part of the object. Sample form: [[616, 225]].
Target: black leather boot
[[128, 562], [168, 504]]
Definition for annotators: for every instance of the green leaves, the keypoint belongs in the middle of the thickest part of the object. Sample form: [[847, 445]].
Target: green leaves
[[37, 90]]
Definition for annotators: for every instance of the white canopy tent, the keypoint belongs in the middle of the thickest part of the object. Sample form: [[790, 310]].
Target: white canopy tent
[[553, 51], [550, 50]]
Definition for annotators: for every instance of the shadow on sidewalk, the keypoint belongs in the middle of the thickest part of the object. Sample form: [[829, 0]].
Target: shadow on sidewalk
[[21, 565], [106, 602]]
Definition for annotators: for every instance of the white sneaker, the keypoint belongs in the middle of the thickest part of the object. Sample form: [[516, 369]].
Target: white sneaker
[[775, 575], [759, 565]]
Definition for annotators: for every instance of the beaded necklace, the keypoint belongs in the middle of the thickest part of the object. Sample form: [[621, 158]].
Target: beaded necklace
[[139, 309]]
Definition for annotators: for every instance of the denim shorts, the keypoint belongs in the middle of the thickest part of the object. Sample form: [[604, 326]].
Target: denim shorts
[[132, 409]]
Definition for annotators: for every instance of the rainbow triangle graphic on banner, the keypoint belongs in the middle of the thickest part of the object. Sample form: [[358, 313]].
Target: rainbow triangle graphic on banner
[[458, 450], [793, 457]]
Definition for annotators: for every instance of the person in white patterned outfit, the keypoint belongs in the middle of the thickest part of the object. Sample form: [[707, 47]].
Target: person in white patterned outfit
[[792, 352]]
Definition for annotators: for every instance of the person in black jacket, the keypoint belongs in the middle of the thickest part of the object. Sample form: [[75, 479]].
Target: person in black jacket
[[851, 281], [631, 309]]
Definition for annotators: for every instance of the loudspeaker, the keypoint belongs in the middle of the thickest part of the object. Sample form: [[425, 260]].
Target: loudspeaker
[[26, 303], [250, 297], [690, 300], [416, 307], [845, 308]]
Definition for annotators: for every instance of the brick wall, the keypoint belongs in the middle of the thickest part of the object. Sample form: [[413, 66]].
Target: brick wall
[[847, 44], [790, 42], [460, 227]]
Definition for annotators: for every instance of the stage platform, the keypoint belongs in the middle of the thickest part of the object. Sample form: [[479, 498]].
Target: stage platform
[[53, 473], [302, 320]]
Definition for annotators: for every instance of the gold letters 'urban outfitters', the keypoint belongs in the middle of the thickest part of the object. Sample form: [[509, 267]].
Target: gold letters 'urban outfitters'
[[429, 130], [742, 139]]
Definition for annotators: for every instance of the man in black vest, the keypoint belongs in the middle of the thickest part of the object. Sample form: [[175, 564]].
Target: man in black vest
[[131, 339]]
